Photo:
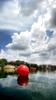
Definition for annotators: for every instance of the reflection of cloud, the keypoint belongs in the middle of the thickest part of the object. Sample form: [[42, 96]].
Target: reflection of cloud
[[40, 85], [10, 81]]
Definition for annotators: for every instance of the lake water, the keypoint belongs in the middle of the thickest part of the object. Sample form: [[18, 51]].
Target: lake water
[[39, 86]]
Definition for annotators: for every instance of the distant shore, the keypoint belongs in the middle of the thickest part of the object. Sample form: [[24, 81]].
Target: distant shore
[[9, 68]]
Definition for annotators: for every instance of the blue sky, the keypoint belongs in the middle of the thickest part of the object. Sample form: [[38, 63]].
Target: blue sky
[[28, 30], [4, 38]]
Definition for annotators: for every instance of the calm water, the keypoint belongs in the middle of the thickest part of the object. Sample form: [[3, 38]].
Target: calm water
[[40, 86]]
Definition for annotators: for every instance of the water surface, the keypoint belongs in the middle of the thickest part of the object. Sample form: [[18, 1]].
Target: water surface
[[40, 86]]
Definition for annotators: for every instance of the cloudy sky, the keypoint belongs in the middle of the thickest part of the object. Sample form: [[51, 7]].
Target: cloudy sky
[[28, 30]]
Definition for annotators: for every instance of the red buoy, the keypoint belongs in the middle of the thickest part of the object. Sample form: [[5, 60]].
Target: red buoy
[[23, 70]]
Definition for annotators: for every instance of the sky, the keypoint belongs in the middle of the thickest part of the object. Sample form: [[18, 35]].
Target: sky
[[28, 30]]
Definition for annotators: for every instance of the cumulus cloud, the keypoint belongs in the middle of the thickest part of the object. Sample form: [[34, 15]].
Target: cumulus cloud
[[33, 46], [53, 18], [33, 18], [25, 13], [30, 42], [20, 41], [24, 40], [11, 55], [29, 6], [10, 6], [12, 18]]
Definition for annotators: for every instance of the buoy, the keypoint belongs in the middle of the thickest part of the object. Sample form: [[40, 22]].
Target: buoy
[[23, 70]]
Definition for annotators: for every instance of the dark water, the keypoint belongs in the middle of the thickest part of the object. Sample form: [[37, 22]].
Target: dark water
[[40, 86]]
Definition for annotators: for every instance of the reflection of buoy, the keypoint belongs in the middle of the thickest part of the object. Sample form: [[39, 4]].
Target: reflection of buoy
[[34, 70], [23, 81], [23, 70]]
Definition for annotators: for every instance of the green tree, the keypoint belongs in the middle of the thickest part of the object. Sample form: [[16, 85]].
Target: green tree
[[3, 62]]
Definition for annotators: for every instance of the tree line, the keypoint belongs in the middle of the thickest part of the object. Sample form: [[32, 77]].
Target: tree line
[[16, 63]]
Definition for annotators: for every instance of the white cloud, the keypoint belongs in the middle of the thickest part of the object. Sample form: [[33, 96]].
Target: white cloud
[[29, 6], [32, 44], [20, 15], [53, 18], [20, 41], [11, 55], [23, 44], [12, 18]]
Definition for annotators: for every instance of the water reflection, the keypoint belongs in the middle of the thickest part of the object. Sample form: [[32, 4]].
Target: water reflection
[[39, 86], [23, 81]]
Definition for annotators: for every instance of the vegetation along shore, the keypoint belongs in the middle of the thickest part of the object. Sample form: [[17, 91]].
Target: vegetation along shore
[[11, 67]]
